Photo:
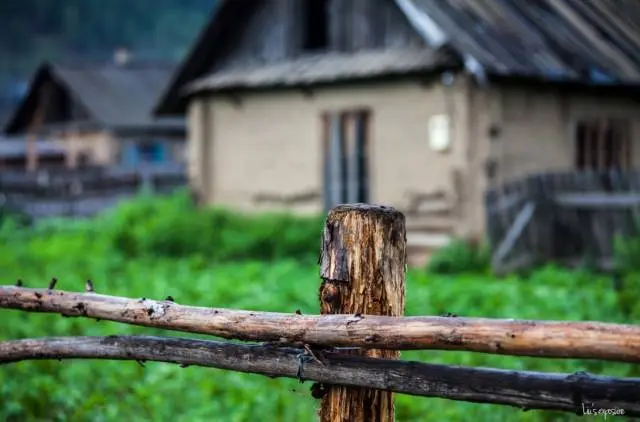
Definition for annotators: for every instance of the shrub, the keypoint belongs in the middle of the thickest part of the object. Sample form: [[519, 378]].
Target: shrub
[[460, 257], [13, 217], [627, 253], [174, 227]]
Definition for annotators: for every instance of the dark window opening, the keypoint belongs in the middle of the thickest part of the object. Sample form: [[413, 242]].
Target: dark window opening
[[346, 159], [316, 25], [52, 162], [83, 159], [603, 144], [361, 156], [150, 152], [491, 170]]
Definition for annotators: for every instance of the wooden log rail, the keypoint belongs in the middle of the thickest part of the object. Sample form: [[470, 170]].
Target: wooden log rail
[[576, 393], [551, 339]]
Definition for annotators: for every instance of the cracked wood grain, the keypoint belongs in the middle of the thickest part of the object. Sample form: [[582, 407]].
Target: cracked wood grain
[[362, 265], [525, 390], [551, 339]]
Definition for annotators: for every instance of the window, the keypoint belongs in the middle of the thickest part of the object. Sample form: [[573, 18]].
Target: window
[[346, 164], [316, 34], [150, 152], [603, 144], [84, 159]]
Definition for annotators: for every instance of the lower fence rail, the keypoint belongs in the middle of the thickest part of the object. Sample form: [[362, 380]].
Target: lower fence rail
[[525, 390]]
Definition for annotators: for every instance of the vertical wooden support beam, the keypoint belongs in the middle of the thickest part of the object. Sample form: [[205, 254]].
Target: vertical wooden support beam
[[362, 265], [33, 133], [336, 159]]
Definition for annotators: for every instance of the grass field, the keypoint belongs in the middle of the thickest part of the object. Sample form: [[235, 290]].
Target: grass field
[[113, 391]]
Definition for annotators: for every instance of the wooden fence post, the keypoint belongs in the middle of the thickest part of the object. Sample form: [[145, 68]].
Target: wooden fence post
[[362, 265]]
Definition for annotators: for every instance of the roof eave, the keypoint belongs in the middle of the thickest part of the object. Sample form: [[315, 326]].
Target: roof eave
[[566, 82], [150, 129], [427, 76]]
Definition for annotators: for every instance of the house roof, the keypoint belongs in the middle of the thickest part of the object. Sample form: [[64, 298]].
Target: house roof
[[327, 68], [117, 97], [5, 113], [225, 14], [588, 42], [16, 147], [596, 41]]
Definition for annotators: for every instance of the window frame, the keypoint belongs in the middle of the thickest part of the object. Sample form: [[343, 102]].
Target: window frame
[[601, 134]]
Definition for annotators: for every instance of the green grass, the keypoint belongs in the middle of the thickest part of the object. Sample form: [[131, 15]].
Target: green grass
[[114, 391]]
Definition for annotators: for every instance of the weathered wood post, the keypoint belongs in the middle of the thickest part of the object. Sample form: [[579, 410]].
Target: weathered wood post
[[362, 265]]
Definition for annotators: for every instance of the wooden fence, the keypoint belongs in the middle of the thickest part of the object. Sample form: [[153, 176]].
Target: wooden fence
[[571, 218], [81, 193], [351, 349]]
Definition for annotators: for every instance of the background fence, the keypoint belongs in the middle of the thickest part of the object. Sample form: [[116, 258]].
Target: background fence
[[83, 192], [570, 217]]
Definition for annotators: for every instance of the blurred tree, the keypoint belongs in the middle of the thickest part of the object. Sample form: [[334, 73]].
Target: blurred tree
[[34, 30]]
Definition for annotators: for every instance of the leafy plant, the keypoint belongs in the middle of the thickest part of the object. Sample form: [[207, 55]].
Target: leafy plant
[[174, 227], [460, 257], [627, 253]]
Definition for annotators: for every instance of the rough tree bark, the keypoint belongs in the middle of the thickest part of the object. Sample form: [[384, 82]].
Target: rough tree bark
[[551, 339], [362, 263], [573, 393]]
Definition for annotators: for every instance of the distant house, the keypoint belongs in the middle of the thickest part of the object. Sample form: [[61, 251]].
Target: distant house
[[418, 104], [101, 114]]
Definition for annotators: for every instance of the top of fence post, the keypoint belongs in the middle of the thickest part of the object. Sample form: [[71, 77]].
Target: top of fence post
[[363, 265]]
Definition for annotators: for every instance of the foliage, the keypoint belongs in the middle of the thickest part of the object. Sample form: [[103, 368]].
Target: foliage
[[174, 227], [627, 261], [460, 257], [13, 218], [627, 253], [179, 251]]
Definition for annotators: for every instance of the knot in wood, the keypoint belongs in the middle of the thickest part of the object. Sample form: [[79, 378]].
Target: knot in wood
[[330, 293], [330, 297]]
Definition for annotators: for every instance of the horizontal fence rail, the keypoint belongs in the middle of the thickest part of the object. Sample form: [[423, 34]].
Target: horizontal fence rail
[[552, 339], [525, 390]]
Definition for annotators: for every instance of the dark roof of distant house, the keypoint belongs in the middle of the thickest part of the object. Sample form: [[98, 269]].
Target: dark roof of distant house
[[5, 114], [16, 147], [578, 41], [114, 96]]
